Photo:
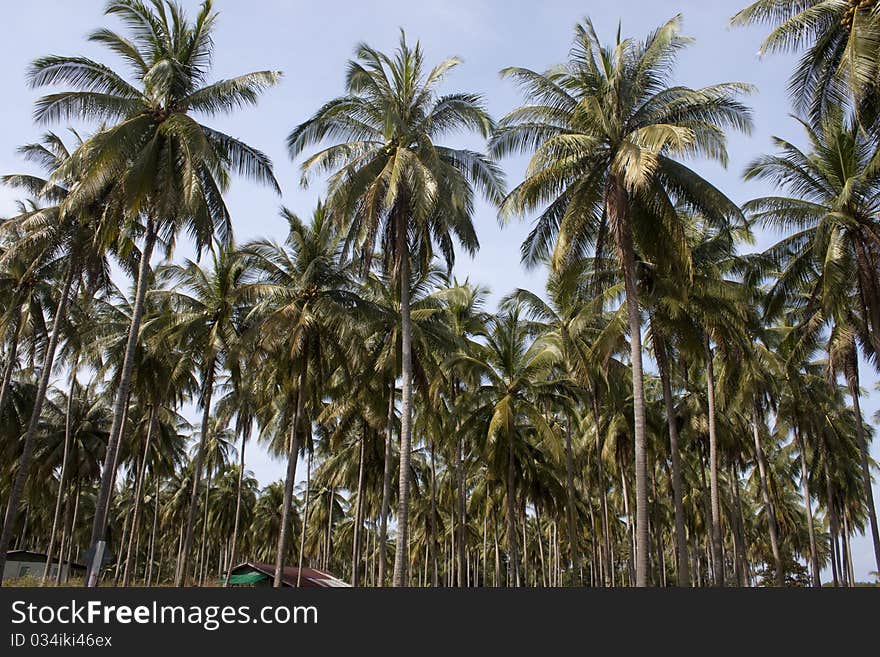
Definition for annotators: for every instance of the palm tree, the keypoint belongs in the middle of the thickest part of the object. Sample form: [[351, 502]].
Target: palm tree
[[241, 401], [392, 182], [605, 128], [826, 269], [148, 121], [304, 292], [208, 310], [64, 240], [840, 41], [572, 321], [510, 405]]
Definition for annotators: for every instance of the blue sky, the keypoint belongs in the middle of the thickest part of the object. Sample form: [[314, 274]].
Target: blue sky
[[311, 42]]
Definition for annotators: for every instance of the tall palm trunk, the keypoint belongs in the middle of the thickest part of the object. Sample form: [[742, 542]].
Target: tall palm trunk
[[182, 577], [573, 547], [153, 532], [600, 474], [6, 383], [305, 519], [234, 545], [808, 508], [765, 494], [30, 437], [400, 556], [681, 552], [513, 559], [717, 550], [359, 508], [66, 529], [139, 487], [70, 529], [120, 405], [290, 477], [204, 553], [739, 543], [852, 378], [435, 581], [617, 210], [62, 479], [386, 484]]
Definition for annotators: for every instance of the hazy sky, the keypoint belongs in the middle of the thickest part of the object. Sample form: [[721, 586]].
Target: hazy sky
[[311, 42]]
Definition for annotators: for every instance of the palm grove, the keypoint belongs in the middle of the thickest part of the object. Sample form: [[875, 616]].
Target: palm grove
[[673, 409]]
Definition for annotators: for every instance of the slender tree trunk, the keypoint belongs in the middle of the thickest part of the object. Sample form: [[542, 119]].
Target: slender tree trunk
[[120, 405], [675, 457], [808, 509], [400, 557], [153, 533], [65, 529], [70, 537], [232, 550], [709, 518], [305, 519], [290, 477], [435, 579], [852, 377], [717, 553], [739, 545], [461, 535], [137, 497], [208, 391], [50, 553], [30, 437], [204, 552], [600, 474], [832, 515], [765, 494], [513, 558], [359, 506], [125, 530], [386, 484], [850, 574], [618, 201], [574, 549], [497, 581]]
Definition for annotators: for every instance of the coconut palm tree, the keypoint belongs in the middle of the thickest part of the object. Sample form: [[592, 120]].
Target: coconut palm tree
[[305, 296], [840, 40], [605, 129], [208, 306], [393, 182], [65, 240], [510, 405], [147, 121], [826, 269]]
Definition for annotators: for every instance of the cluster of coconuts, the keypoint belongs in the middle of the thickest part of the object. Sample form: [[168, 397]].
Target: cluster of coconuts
[[854, 6]]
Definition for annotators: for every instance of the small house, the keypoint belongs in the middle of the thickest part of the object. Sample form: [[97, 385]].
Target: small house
[[263, 574], [25, 563]]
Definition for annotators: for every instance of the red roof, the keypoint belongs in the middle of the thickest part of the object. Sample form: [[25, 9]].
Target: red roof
[[310, 577]]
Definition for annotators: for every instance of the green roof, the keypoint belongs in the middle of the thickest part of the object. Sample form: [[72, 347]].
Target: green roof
[[248, 578]]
